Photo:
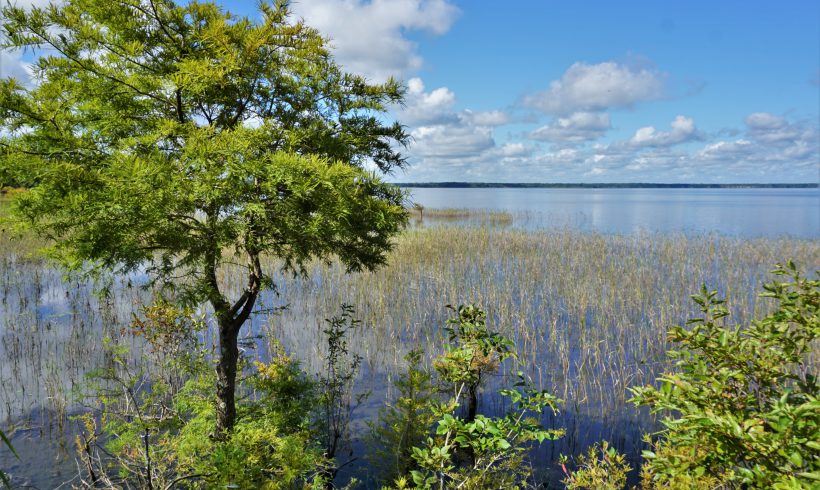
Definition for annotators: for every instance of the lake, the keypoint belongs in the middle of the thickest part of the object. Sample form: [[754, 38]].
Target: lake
[[736, 212], [586, 282]]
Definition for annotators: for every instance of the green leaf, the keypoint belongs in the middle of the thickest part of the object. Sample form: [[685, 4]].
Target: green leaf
[[8, 444]]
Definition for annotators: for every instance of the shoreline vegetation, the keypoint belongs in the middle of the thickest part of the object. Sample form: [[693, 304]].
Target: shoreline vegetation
[[207, 281], [588, 314], [590, 185]]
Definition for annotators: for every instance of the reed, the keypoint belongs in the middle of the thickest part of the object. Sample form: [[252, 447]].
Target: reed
[[588, 312]]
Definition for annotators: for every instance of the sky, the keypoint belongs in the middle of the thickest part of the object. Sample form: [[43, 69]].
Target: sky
[[587, 91]]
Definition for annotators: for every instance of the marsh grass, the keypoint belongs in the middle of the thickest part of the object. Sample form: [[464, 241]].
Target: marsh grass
[[420, 215], [588, 312]]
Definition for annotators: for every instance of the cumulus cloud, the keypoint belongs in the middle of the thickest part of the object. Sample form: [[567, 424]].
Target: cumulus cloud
[[683, 130], [446, 137], [515, 150], [769, 128], [13, 66], [771, 145], [588, 87], [425, 107], [451, 141], [370, 36], [750, 156], [487, 118], [577, 127], [725, 151], [764, 120]]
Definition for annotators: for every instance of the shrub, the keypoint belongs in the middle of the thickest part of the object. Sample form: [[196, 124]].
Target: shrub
[[476, 451], [602, 468], [742, 405], [403, 424], [156, 419]]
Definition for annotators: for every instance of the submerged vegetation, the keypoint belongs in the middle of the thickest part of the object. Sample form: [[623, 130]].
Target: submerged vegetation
[[587, 316], [424, 216]]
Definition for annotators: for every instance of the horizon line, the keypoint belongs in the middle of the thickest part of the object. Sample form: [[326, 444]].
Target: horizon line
[[605, 184]]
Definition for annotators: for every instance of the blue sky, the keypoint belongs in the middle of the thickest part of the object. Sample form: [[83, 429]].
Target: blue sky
[[589, 91], [549, 91]]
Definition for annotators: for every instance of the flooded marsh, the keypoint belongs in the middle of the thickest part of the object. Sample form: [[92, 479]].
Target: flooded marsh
[[588, 312]]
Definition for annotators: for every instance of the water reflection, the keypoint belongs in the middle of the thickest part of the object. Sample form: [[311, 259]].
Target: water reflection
[[588, 313], [737, 212]]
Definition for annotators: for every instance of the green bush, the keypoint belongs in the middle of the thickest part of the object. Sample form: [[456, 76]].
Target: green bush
[[602, 468], [404, 423], [473, 451], [742, 408], [156, 417]]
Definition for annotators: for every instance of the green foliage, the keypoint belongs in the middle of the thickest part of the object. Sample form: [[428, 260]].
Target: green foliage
[[281, 383], [156, 420], [602, 468], [743, 402], [5, 440], [139, 415], [404, 423], [182, 138], [476, 451], [473, 352], [496, 445], [336, 399], [262, 452], [173, 131]]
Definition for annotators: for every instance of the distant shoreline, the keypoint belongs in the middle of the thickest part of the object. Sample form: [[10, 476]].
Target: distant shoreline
[[640, 185]]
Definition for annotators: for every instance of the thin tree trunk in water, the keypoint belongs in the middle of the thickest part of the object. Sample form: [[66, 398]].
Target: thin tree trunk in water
[[472, 405], [226, 378], [472, 411]]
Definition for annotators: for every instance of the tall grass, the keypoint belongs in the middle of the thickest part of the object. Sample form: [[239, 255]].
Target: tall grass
[[589, 312]]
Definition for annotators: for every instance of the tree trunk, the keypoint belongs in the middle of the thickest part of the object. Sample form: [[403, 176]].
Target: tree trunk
[[226, 377], [230, 320], [472, 402], [472, 411]]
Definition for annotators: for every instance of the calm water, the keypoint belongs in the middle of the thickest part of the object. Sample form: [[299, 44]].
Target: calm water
[[54, 328], [735, 212]]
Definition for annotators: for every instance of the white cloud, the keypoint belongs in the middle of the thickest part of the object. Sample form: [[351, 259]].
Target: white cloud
[[768, 128], [723, 151], [458, 150], [443, 136], [515, 150], [369, 36], [771, 145], [13, 66], [577, 127], [764, 120], [683, 130], [451, 141], [425, 107], [585, 87], [486, 118]]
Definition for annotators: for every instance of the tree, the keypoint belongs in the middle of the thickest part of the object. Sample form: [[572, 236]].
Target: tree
[[181, 139]]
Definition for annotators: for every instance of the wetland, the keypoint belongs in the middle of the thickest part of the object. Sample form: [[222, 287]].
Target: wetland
[[587, 307]]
